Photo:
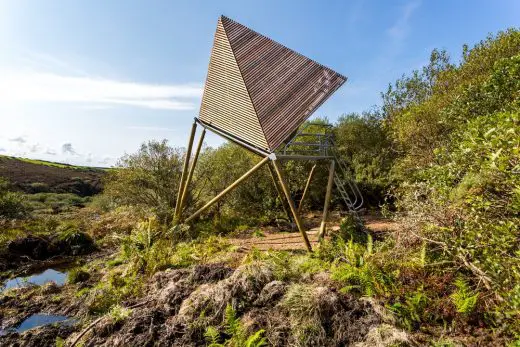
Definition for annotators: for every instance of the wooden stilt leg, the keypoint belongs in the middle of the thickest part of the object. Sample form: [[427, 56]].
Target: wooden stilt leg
[[292, 206], [190, 173], [300, 205], [327, 200], [280, 192], [228, 189], [185, 168]]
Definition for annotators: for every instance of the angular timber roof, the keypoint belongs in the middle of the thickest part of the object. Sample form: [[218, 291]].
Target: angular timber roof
[[258, 90]]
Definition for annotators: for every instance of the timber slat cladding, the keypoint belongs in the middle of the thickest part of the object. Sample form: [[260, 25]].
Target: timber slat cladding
[[259, 90], [226, 103]]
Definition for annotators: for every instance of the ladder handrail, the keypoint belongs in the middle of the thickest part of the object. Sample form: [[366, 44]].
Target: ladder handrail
[[325, 145], [352, 184]]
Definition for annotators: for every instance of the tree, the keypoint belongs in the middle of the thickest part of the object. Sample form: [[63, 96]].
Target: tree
[[364, 145], [148, 178]]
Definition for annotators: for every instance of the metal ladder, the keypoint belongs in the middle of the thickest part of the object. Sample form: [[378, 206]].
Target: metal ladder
[[321, 143], [347, 187]]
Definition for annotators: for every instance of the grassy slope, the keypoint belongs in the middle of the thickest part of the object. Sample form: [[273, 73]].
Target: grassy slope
[[33, 176], [54, 164]]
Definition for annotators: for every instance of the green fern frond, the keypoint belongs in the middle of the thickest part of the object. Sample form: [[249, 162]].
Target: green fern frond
[[256, 340], [464, 298], [212, 337], [232, 322]]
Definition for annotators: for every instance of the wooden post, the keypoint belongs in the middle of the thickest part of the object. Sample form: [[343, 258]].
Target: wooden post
[[185, 168], [292, 206], [280, 192], [327, 200], [300, 205], [228, 189], [190, 173]]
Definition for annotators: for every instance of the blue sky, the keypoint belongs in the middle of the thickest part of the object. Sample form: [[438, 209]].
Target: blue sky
[[86, 81]]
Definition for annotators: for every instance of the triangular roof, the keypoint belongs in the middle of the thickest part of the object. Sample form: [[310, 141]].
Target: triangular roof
[[259, 90]]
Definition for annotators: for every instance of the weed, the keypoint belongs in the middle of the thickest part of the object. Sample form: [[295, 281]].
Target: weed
[[236, 332], [212, 336], [464, 298], [77, 275], [258, 233], [119, 313], [410, 312]]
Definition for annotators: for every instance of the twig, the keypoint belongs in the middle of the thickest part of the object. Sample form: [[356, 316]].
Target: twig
[[93, 324]]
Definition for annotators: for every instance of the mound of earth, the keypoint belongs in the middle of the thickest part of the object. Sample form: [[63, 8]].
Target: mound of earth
[[181, 304], [27, 250], [31, 177]]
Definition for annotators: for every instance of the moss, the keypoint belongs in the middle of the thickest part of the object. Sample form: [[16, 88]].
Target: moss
[[77, 275]]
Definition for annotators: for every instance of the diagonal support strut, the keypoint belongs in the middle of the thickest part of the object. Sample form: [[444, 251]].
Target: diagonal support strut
[[228, 189], [292, 206]]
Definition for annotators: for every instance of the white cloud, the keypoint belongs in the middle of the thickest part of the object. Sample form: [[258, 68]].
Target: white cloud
[[28, 86], [2, 150], [19, 139], [67, 148], [401, 27], [34, 148], [50, 151]]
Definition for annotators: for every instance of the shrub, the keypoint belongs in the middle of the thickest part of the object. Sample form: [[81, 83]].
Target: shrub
[[12, 205], [77, 241], [148, 178], [351, 228]]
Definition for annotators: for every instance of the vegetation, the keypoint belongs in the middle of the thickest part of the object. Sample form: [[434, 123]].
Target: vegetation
[[53, 164], [441, 156], [148, 178], [11, 203]]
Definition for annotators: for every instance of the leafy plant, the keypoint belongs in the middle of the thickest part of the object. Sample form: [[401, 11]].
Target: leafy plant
[[236, 332], [464, 298], [119, 313], [77, 275], [212, 336], [410, 311]]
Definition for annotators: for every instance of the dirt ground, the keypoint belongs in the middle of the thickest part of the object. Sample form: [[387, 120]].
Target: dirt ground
[[272, 238]]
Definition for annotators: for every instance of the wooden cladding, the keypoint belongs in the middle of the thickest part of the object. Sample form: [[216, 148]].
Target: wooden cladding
[[226, 103], [259, 90]]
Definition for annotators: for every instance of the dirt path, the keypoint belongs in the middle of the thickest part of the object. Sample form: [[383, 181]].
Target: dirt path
[[277, 240]]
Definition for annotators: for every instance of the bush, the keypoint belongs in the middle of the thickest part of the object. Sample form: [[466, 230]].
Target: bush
[[148, 178], [73, 239], [364, 145], [458, 191], [13, 206]]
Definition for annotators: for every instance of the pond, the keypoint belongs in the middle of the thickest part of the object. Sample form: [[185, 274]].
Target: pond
[[49, 275], [37, 320]]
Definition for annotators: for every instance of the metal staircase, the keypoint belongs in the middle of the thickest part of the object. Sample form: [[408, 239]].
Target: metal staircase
[[347, 187], [317, 141]]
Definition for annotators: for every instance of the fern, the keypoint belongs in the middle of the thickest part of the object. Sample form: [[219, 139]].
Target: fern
[[235, 329], [411, 311], [256, 340], [212, 337], [232, 322], [464, 298]]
